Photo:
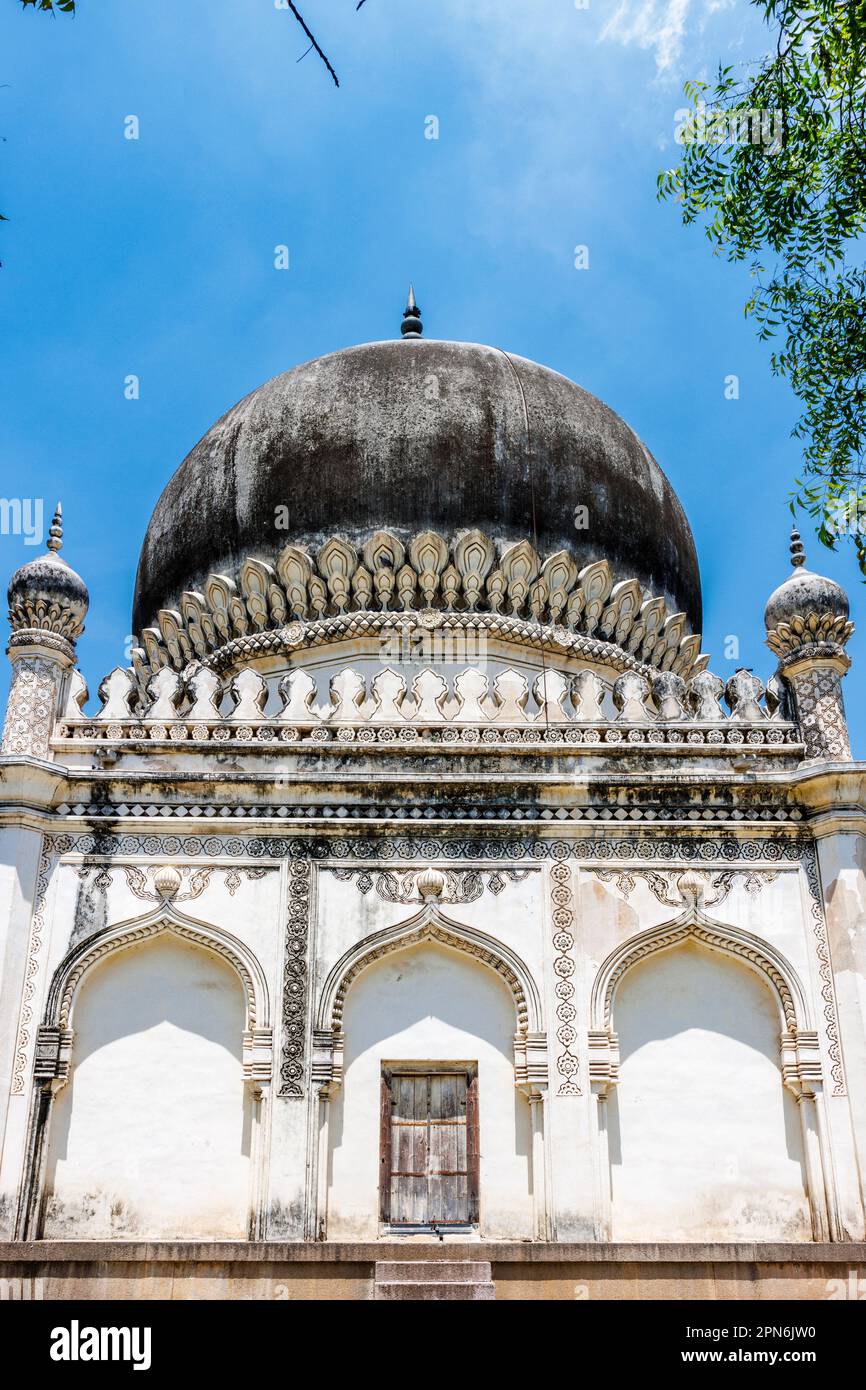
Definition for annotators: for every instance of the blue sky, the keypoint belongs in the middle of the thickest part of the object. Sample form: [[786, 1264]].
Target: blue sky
[[155, 257]]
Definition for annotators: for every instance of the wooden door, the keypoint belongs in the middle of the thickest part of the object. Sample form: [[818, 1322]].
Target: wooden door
[[429, 1148]]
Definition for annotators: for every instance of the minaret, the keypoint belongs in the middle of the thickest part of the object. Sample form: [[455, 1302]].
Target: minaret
[[47, 605], [807, 627]]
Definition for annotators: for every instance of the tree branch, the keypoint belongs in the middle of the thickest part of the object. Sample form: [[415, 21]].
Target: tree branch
[[313, 41]]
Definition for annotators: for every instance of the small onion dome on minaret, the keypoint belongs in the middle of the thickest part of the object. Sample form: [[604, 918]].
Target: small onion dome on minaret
[[411, 327], [806, 609], [807, 627], [48, 601]]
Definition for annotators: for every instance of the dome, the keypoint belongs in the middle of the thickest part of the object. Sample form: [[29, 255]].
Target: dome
[[804, 595], [411, 435], [46, 593]]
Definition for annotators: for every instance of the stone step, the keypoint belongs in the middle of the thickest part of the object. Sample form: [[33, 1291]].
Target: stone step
[[432, 1271], [464, 1291], [427, 1280]]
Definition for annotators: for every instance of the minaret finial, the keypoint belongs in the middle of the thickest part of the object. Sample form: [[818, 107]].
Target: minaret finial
[[411, 327], [798, 554], [55, 533]]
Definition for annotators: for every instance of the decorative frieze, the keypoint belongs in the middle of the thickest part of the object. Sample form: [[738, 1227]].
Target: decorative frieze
[[196, 881], [404, 886], [295, 975], [514, 811], [664, 885], [562, 917], [625, 849], [51, 849], [681, 740]]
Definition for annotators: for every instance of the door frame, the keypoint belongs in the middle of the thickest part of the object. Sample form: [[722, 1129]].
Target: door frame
[[390, 1069]]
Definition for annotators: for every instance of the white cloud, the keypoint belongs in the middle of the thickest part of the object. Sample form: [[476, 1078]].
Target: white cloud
[[656, 24], [659, 25]]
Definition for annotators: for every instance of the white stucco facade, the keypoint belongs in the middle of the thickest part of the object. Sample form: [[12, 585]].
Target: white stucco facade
[[681, 1116], [507, 931]]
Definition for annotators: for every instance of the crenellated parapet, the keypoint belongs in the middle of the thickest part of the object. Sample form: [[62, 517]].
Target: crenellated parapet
[[473, 706]]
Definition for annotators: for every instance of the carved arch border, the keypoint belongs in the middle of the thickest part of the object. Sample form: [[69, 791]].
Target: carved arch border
[[530, 1040], [799, 1048], [432, 925], [164, 918], [758, 955], [55, 1038]]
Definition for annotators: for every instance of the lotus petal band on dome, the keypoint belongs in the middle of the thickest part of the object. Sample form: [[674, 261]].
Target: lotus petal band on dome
[[469, 581]]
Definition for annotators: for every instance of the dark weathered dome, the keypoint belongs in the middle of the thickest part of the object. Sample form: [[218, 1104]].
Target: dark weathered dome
[[410, 435]]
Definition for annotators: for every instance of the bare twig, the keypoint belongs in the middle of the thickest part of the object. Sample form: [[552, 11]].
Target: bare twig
[[313, 42]]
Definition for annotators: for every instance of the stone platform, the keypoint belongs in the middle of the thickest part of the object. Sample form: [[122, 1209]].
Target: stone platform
[[286, 1271]]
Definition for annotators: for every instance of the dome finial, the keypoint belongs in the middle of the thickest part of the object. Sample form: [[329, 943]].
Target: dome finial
[[798, 554], [411, 327], [55, 533]]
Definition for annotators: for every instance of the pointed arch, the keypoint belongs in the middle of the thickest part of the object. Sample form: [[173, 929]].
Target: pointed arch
[[695, 925], [164, 918], [800, 1065], [432, 925], [55, 1036]]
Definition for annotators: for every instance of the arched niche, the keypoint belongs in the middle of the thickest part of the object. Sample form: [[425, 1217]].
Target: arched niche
[[430, 990], [708, 1075], [152, 1063]]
